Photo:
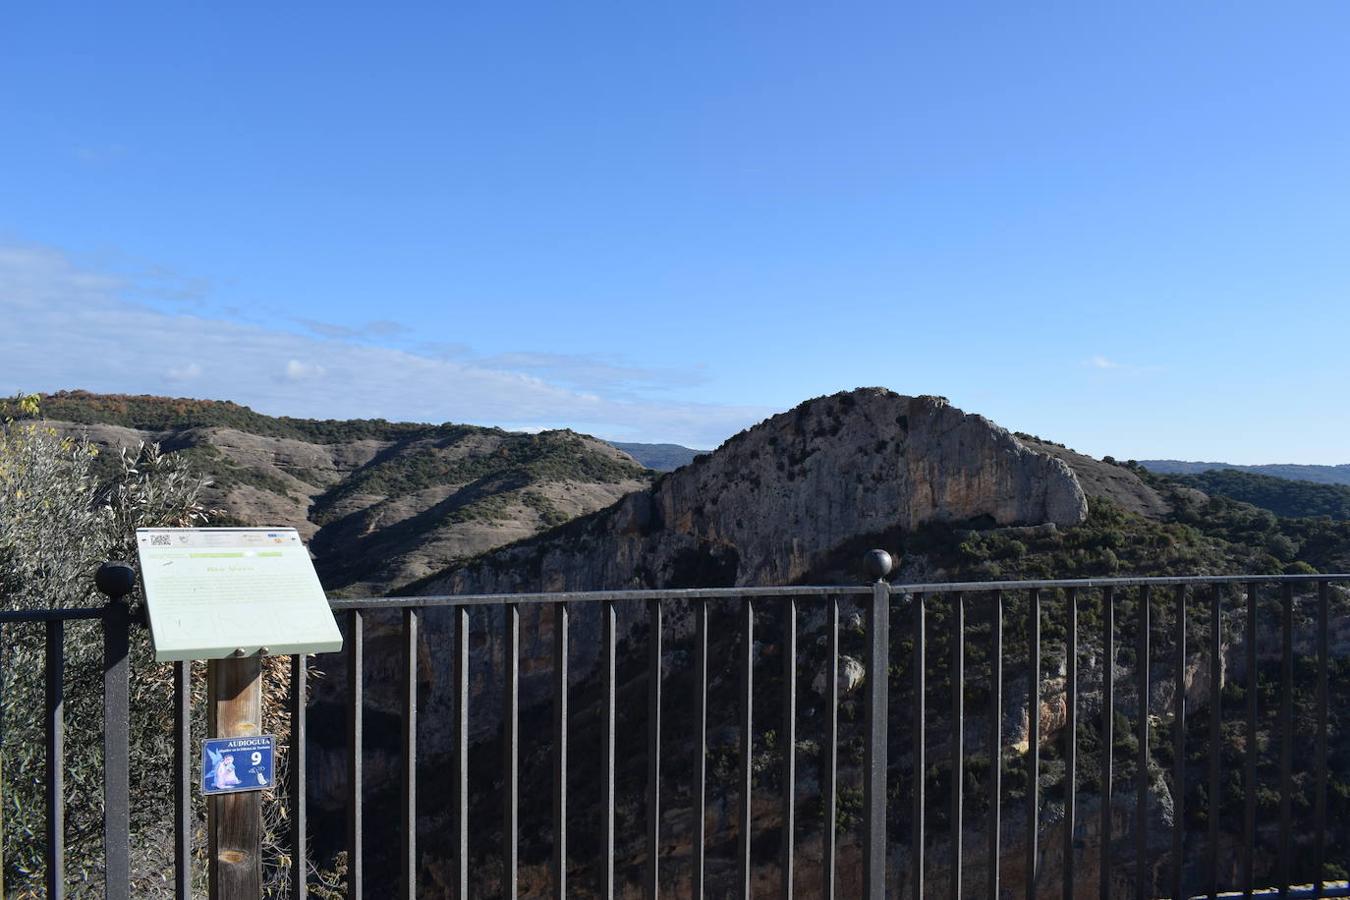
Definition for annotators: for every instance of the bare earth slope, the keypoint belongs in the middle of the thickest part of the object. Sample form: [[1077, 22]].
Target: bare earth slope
[[381, 504]]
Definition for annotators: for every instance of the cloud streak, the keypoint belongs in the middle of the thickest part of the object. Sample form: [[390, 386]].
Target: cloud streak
[[1106, 364], [71, 328]]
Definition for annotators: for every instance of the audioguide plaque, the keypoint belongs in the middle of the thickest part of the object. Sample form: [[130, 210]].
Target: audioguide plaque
[[217, 593]]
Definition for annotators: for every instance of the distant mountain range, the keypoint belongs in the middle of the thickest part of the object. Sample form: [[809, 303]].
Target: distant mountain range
[[1293, 471], [659, 457]]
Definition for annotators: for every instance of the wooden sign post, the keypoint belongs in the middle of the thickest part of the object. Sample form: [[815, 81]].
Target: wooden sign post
[[232, 596], [234, 821]]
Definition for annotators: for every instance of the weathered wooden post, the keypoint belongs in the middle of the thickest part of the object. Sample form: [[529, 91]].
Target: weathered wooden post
[[234, 820]]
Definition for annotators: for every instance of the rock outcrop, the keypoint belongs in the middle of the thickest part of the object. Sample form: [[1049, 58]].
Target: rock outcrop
[[774, 500], [1101, 478]]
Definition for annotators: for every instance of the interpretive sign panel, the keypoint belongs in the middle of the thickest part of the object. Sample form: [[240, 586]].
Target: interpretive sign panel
[[234, 764], [214, 593]]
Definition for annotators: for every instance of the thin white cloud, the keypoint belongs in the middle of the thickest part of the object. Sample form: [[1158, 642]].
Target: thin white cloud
[[593, 372], [66, 327], [300, 371], [1106, 364], [379, 328], [189, 372]]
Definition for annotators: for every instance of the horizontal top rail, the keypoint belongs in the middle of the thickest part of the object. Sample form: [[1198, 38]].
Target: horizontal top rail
[[821, 591], [731, 593]]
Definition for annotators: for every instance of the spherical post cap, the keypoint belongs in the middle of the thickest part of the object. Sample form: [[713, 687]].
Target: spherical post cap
[[116, 579], [877, 564]]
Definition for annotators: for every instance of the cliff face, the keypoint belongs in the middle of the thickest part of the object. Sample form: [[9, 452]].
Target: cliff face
[[764, 509], [770, 503]]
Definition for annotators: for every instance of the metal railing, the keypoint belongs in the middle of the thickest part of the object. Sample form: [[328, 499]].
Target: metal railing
[[116, 623], [898, 740]]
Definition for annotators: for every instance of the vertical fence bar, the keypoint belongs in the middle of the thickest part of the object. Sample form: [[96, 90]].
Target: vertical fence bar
[[355, 744], [1070, 737], [607, 809], [1286, 733], [995, 741], [560, 673], [654, 751], [299, 807], [958, 735], [701, 743], [55, 786], [461, 789], [831, 786], [511, 752], [1249, 779], [182, 780], [1320, 801], [920, 766], [789, 740], [1179, 748], [747, 725], [408, 775], [1033, 738], [1108, 732], [1143, 888], [116, 751], [1215, 732], [874, 754]]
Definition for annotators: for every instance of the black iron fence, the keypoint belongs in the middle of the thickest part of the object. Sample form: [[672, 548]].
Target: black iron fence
[[905, 844]]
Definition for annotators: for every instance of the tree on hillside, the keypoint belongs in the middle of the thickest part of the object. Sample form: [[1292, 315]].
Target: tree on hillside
[[58, 522]]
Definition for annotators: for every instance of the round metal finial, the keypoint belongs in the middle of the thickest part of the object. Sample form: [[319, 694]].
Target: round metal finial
[[116, 579], [877, 564]]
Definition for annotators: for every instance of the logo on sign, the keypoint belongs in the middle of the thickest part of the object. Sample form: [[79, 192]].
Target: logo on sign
[[237, 764]]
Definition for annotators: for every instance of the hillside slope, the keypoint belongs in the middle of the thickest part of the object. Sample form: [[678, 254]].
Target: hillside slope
[[658, 457], [380, 503], [1321, 474], [1282, 496]]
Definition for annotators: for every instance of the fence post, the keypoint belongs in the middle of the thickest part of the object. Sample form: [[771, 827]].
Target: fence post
[[116, 580], [234, 831], [877, 565]]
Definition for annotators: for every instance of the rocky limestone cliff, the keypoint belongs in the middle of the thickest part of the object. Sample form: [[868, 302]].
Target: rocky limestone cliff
[[1100, 478], [773, 501]]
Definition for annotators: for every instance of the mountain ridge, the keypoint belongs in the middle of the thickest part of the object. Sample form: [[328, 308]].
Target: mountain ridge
[[380, 503], [1337, 474]]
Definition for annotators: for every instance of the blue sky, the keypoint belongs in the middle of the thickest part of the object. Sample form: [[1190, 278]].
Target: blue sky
[[1121, 227]]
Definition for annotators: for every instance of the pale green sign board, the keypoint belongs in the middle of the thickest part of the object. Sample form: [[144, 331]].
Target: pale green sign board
[[214, 593]]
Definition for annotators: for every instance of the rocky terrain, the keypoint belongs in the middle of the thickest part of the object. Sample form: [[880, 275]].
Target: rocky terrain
[[773, 501], [796, 499], [785, 501], [381, 504]]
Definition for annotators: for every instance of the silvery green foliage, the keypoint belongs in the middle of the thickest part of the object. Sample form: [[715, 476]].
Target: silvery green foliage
[[58, 522]]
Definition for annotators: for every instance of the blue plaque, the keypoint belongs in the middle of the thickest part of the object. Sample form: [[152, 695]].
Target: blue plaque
[[233, 764]]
